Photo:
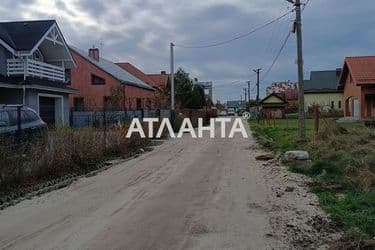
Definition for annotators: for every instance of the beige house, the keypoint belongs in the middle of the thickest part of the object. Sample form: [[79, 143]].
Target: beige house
[[322, 90], [273, 106]]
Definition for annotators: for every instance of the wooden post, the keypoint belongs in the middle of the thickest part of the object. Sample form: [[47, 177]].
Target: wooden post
[[316, 122], [104, 127]]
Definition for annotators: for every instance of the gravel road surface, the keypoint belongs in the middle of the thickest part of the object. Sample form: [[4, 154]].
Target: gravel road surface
[[185, 194]]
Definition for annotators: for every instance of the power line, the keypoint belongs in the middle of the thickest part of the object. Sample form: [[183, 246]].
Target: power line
[[305, 4], [236, 37], [277, 56], [282, 48]]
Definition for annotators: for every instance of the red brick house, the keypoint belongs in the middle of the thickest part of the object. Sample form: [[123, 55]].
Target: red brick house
[[358, 82], [160, 80], [161, 83], [103, 84], [140, 75]]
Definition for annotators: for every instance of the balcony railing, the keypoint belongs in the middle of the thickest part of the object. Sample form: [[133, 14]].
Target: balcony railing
[[29, 67]]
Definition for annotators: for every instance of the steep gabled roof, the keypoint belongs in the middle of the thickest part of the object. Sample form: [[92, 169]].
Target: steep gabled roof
[[136, 72], [160, 80], [322, 81], [361, 68], [113, 69], [278, 97], [24, 35]]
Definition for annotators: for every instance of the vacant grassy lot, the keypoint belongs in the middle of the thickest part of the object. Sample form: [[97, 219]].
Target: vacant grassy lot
[[343, 167]]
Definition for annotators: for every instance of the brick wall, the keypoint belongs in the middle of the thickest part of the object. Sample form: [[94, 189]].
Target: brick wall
[[93, 95]]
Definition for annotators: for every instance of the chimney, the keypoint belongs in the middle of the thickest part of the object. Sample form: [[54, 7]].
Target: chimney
[[163, 72], [94, 53]]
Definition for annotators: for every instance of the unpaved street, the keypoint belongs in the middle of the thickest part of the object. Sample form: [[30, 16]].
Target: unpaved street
[[185, 194]]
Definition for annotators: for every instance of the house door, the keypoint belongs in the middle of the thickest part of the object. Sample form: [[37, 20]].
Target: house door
[[370, 105], [47, 110], [356, 108]]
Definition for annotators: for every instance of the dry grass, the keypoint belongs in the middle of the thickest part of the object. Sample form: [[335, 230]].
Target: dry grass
[[66, 150]]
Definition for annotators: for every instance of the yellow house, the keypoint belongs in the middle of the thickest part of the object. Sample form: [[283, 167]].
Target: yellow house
[[273, 106], [322, 90]]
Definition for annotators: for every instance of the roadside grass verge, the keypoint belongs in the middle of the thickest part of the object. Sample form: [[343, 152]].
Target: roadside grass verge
[[342, 167], [66, 151]]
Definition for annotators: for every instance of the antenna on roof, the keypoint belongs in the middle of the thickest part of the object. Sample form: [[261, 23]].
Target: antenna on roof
[[101, 45]]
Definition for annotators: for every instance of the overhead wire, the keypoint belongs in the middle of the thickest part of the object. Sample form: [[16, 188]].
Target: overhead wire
[[277, 56], [240, 36]]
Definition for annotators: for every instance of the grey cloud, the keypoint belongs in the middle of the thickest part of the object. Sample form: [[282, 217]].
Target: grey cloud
[[140, 31]]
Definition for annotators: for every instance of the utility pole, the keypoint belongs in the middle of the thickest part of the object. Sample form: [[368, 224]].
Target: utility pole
[[301, 99], [245, 91], [257, 71], [172, 78], [248, 93]]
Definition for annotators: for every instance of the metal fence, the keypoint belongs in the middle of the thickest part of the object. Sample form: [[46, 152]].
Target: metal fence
[[101, 118]]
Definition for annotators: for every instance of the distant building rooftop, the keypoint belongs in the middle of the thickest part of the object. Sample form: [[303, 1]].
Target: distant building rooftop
[[322, 81]]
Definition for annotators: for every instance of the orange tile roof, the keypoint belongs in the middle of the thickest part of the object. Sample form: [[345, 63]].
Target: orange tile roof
[[137, 73], [160, 80], [362, 69]]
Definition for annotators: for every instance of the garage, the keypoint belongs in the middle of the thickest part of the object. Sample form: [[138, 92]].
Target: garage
[[47, 110], [51, 109]]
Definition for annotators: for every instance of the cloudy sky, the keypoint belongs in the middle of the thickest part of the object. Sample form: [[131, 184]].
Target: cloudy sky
[[139, 31]]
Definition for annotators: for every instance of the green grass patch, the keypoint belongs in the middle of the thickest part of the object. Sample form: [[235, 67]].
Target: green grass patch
[[353, 209], [343, 167]]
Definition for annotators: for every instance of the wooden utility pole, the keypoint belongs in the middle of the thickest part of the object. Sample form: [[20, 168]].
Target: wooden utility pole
[[245, 91], [257, 71], [301, 99], [172, 78], [248, 93]]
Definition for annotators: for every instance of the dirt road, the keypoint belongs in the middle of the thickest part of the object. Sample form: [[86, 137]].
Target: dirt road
[[185, 194]]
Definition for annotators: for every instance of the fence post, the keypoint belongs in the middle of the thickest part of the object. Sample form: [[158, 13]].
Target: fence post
[[316, 122], [71, 117], [18, 126], [104, 127]]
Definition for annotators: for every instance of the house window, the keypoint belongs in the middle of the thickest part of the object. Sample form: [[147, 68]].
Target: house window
[[332, 104], [339, 104], [97, 80], [139, 103], [148, 103], [111, 103], [78, 104]]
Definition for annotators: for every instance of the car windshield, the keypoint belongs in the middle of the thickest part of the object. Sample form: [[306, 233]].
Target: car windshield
[[4, 118]]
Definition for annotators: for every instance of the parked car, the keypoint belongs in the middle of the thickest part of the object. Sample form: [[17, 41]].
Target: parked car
[[231, 111], [18, 120], [223, 113]]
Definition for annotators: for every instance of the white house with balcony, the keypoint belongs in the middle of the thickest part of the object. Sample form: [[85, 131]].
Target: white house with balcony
[[35, 65]]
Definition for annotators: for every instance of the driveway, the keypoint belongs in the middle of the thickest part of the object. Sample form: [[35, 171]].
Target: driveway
[[185, 194]]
